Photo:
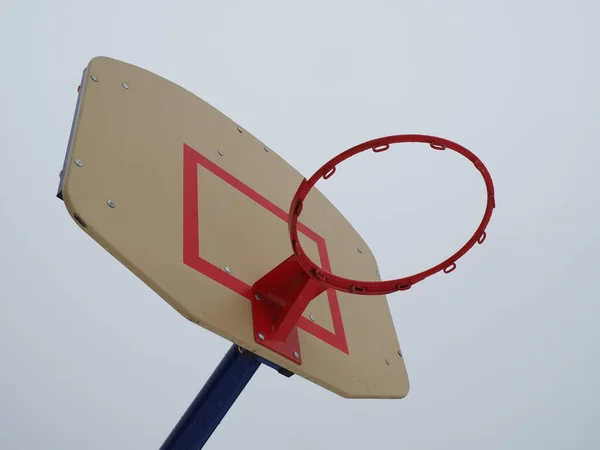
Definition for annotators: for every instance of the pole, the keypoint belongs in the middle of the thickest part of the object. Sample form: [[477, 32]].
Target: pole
[[214, 400]]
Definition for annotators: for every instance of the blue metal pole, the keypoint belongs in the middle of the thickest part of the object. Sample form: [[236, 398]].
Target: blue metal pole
[[214, 400]]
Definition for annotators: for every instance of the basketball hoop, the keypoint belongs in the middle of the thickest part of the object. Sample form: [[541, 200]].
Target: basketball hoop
[[283, 294], [399, 284]]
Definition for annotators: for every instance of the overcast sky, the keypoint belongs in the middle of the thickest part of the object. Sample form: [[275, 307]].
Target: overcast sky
[[501, 354]]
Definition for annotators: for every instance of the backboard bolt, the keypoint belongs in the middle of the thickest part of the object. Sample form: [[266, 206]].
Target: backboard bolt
[[266, 149], [227, 269], [387, 361], [239, 129], [125, 85], [261, 336], [94, 78], [79, 163], [312, 318], [400, 353], [359, 250], [221, 153], [111, 203], [296, 355], [257, 297]]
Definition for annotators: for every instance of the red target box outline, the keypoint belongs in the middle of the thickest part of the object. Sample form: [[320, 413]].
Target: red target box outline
[[192, 236]]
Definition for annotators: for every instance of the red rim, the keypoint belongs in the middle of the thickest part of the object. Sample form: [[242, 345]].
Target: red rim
[[400, 284]]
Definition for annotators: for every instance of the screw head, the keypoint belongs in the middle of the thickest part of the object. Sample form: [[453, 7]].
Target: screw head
[[387, 361], [240, 129], [377, 272], [227, 269], [359, 250], [261, 336], [221, 153], [94, 78], [257, 297], [296, 355], [312, 318], [79, 163], [266, 149], [110, 203], [125, 85], [400, 353]]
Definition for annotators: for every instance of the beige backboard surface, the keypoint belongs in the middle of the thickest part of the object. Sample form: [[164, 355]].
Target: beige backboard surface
[[196, 207]]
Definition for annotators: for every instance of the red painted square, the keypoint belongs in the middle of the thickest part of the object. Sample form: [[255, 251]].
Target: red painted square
[[191, 159]]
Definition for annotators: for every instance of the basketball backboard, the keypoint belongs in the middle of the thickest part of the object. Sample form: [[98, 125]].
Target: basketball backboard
[[197, 208]]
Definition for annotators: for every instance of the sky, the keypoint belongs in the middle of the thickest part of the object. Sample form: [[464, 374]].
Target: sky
[[500, 354]]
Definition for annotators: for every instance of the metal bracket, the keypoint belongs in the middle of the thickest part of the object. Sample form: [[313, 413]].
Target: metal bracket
[[280, 298]]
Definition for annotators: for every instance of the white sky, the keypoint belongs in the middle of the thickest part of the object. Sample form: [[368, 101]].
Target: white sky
[[501, 354]]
